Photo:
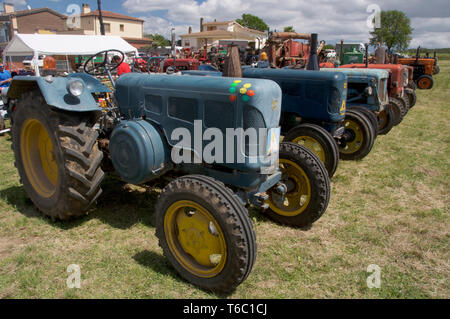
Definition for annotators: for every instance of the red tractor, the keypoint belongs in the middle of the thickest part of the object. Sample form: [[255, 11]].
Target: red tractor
[[161, 64]]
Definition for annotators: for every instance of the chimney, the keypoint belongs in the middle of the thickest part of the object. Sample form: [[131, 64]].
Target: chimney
[[190, 30], [201, 24], [86, 8], [8, 7]]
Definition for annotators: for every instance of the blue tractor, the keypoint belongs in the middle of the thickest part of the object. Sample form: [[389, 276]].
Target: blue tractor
[[368, 93], [65, 130]]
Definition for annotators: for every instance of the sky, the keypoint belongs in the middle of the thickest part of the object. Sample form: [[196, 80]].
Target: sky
[[333, 20]]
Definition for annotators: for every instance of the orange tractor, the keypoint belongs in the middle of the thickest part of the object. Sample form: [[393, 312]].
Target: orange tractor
[[424, 69]]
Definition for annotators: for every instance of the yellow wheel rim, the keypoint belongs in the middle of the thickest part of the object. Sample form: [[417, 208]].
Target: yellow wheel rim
[[312, 144], [298, 195], [358, 138], [195, 239], [38, 158]]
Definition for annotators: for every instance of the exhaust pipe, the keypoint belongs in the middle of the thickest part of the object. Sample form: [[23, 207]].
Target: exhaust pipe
[[313, 63], [367, 55]]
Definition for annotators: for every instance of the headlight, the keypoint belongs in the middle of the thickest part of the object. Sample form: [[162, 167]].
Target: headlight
[[369, 90], [75, 87]]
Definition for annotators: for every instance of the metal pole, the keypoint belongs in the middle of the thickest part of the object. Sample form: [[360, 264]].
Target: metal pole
[[100, 17]]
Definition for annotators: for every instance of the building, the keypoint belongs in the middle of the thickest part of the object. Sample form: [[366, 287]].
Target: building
[[42, 20], [222, 32], [46, 20], [129, 28]]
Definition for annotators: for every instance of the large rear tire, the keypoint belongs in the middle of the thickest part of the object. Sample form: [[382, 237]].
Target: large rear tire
[[317, 140], [57, 157], [205, 233], [308, 188], [359, 136]]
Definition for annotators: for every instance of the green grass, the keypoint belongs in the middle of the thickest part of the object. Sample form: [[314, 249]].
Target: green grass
[[390, 209]]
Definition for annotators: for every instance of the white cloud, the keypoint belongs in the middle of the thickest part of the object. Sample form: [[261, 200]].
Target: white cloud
[[333, 20]]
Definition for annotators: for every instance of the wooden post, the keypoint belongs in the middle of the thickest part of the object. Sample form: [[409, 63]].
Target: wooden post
[[232, 66]]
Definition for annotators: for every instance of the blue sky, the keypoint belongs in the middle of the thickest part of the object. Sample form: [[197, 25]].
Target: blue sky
[[331, 19]]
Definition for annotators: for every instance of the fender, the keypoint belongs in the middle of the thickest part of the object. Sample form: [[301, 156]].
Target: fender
[[54, 91]]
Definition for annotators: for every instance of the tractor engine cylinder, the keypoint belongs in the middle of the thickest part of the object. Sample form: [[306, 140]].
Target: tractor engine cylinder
[[138, 151]]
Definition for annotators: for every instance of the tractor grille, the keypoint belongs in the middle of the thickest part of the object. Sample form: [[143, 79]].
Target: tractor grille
[[382, 90], [252, 118]]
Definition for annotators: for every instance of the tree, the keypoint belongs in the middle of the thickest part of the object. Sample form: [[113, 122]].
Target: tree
[[158, 40], [252, 22], [395, 30], [328, 46], [289, 29]]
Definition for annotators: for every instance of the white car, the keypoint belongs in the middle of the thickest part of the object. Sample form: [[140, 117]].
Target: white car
[[29, 61]]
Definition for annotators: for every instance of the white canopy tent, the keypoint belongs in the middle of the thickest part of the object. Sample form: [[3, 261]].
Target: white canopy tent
[[61, 44]]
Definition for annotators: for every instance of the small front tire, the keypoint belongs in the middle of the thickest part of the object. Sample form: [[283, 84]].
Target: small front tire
[[205, 233]]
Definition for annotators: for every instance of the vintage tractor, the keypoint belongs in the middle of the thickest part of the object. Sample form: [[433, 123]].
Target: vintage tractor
[[367, 92], [160, 64], [424, 69], [314, 114], [398, 82], [67, 129]]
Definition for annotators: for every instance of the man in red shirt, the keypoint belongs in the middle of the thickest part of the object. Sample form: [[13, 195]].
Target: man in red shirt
[[123, 67]]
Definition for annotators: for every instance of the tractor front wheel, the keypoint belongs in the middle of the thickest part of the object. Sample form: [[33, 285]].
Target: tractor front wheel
[[358, 137], [436, 70], [398, 109], [412, 97], [57, 157], [317, 140], [205, 233], [425, 82], [308, 188], [385, 120], [370, 116]]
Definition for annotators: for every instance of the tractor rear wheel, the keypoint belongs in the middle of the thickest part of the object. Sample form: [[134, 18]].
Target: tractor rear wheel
[[425, 82], [397, 107], [370, 115], [57, 157], [308, 188], [317, 140], [412, 97], [385, 120], [205, 233], [358, 136]]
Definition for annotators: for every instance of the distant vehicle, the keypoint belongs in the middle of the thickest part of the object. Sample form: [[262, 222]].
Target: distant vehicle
[[29, 61]]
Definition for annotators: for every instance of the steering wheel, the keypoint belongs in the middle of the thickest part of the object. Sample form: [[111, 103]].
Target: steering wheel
[[103, 67]]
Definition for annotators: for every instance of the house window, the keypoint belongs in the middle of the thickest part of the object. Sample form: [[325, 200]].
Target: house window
[[107, 27], [122, 28], [211, 28], [187, 43]]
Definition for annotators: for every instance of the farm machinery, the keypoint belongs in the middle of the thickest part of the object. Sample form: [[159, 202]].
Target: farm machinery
[[424, 69], [65, 130]]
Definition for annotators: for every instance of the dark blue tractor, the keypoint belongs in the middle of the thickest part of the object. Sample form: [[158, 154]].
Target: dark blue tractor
[[66, 130], [314, 114]]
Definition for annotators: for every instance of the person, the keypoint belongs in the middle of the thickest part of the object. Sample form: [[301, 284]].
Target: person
[[5, 77], [123, 67]]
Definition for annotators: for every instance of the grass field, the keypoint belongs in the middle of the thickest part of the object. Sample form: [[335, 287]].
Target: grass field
[[390, 209]]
